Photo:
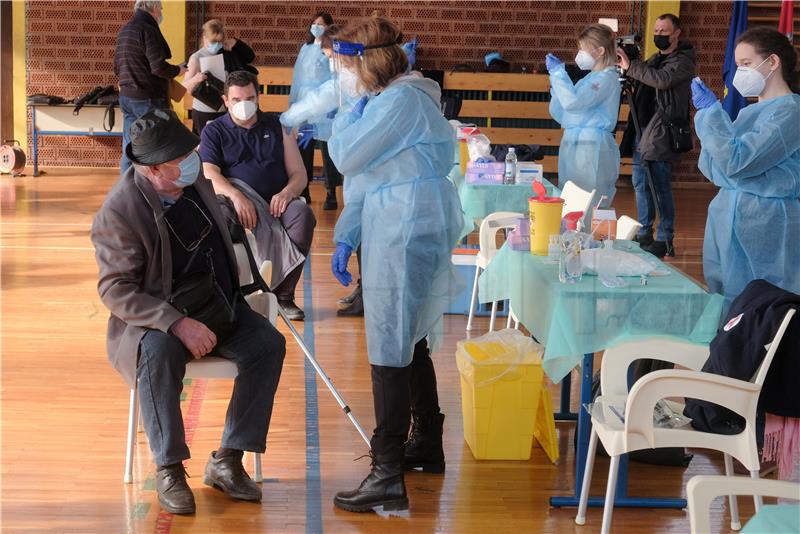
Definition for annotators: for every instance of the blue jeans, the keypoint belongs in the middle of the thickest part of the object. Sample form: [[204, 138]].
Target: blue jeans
[[131, 110], [661, 172], [255, 346]]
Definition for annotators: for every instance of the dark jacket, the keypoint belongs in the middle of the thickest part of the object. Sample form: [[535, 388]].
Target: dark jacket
[[240, 57], [134, 257], [739, 348], [670, 77], [141, 57]]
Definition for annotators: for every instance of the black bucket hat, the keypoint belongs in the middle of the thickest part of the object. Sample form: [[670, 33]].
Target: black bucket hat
[[159, 136]]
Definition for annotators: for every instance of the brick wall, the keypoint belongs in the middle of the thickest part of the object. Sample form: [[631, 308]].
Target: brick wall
[[70, 49], [71, 43]]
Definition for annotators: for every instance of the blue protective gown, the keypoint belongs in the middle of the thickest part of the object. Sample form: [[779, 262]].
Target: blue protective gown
[[753, 225], [588, 112], [311, 70], [402, 209], [316, 106]]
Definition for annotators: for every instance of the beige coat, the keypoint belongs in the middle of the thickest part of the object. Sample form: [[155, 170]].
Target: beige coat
[[133, 255]]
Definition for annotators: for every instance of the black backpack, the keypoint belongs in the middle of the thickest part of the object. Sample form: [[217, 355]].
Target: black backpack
[[105, 96]]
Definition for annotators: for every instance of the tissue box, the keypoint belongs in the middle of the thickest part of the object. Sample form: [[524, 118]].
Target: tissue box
[[604, 224], [528, 172], [485, 173]]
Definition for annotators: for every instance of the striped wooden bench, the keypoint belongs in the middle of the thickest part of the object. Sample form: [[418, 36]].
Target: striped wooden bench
[[509, 108]]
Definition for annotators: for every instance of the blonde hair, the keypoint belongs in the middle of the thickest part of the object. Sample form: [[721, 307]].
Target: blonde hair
[[600, 36], [213, 27], [378, 66]]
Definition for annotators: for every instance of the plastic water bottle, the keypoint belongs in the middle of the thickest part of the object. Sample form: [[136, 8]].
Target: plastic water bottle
[[606, 261], [510, 176]]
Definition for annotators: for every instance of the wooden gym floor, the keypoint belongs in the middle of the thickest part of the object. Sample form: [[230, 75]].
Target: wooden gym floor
[[64, 410]]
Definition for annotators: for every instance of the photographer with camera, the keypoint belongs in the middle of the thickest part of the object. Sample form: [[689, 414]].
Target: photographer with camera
[[661, 101]]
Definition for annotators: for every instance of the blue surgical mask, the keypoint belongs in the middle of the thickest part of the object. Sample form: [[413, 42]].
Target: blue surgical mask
[[317, 30], [190, 168], [214, 47]]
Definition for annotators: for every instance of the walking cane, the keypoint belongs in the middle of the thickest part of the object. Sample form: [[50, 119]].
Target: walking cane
[[238, 235]]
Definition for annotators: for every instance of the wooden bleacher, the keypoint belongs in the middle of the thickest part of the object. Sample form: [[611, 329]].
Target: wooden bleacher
[[490, 99]]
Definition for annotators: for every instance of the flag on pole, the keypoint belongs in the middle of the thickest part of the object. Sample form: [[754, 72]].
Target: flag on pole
[[786, 24], [732, 101]]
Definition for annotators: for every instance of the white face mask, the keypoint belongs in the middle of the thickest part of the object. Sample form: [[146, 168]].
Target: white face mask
[[349, 83], [749, 82], [584, 60], [244, 110]]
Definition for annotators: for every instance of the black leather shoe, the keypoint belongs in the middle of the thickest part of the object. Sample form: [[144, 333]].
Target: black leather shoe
[[659, 249], [644, 240], [345, 302], [384, 486], [174, 493], [291, 310], [227, 473], [330, 203], [355, 309], [424, 446]]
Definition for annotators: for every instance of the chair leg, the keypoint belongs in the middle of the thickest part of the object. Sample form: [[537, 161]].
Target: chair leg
[[732, 503], [608, 508], [133, 416], [257, 467], [473, 301], [580, 519], [493, 317], [758, 501]]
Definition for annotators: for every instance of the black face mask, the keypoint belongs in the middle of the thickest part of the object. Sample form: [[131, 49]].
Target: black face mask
[[662, 41]]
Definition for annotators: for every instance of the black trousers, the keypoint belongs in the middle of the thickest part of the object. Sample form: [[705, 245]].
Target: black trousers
[[201, 118], [396, 393], [307, 154], [333, 178]]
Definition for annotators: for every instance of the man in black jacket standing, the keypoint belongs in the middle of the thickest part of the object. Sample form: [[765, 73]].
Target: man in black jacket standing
[[661, 97], [140, 62]]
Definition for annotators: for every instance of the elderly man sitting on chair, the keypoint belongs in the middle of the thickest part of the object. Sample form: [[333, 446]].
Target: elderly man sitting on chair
[[168, 275], [253, 162]]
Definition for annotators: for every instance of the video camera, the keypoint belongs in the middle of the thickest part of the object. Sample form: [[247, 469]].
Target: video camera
[[630, 45]]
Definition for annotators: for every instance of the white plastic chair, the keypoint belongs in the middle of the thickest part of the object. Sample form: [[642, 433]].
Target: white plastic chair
[[637, 431], [577, 199], [627, 227], [702, 490], [488, 250], [212, 367]]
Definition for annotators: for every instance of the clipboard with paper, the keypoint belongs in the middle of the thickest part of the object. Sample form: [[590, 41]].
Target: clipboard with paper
[[215, 65]]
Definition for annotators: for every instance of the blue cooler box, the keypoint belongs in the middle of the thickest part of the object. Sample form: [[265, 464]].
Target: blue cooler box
[[465, 266]]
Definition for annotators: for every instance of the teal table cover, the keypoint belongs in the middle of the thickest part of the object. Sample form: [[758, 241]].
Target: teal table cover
[[571, 320], [478, 201], [775, 519]]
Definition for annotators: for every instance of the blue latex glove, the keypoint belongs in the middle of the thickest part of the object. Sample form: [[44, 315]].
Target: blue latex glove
[[551, 62], [410, 48], [331, 114], [339, 264], [358, 108], [702, 96], [305, 135]]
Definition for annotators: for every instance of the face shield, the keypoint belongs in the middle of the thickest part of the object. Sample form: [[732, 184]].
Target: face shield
[[350, 87]]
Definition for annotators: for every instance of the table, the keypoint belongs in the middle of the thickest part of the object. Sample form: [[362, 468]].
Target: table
[[571, 320], [59, 120], [478, 201]]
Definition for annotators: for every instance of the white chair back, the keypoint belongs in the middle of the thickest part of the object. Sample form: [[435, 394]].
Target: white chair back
[[627, 227], [488, 234], [577, 199]]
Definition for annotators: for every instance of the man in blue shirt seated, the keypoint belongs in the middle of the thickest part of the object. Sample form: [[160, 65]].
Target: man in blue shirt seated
[[251, 160]]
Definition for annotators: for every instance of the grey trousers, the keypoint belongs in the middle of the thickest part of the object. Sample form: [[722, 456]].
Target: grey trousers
[[298, 220], [258, 350]]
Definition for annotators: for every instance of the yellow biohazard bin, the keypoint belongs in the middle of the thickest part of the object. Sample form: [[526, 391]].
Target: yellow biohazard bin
[[501, 390]]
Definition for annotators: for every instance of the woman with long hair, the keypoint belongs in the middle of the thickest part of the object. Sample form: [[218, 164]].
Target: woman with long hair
[[753, 225]]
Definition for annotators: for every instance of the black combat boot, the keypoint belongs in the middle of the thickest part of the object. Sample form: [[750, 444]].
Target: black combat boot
[[384, 486], [424, 446]]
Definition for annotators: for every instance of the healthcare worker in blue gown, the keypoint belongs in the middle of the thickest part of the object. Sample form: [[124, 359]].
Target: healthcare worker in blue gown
[[396, 149], [753, 225], [588, 111], [311, 69]]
